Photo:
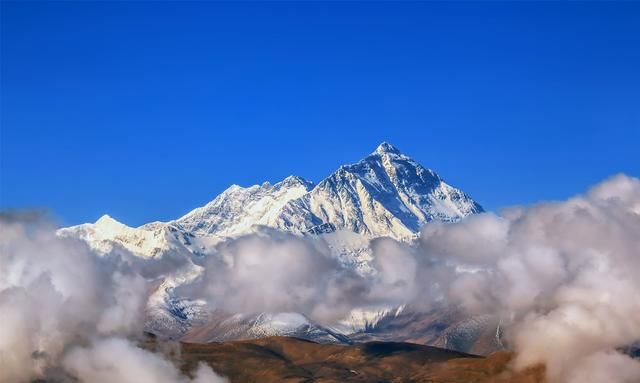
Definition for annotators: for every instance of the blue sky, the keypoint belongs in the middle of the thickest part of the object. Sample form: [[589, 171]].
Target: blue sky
[[145, 110]]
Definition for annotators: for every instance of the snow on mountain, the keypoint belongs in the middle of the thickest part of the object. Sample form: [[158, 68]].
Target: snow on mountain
[[224, 327], [441, 326], [359, 320], [106, 232], [149, 241], [385, 194], [239, 210]]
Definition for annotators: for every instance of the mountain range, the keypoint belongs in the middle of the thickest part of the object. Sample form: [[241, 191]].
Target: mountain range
[[386, 194]]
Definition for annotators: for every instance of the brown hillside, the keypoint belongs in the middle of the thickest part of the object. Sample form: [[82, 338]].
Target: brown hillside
[[281, 359]]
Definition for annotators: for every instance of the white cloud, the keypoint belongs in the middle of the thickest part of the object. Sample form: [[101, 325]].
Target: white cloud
[[564, 274], [55, 295], [118, 360]]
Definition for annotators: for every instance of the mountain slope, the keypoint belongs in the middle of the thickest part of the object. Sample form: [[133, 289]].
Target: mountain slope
[[279, 359], [224, 327], [385, 194]]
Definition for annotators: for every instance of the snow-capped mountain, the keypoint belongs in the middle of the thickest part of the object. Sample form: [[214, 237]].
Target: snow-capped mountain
[[385, 194]]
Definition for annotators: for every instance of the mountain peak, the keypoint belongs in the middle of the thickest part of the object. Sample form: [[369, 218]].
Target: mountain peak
[[386, 148], [106, 219], [295, 180], [109, 225]]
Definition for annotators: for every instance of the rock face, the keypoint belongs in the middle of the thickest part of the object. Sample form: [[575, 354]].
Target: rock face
[[385, 194]]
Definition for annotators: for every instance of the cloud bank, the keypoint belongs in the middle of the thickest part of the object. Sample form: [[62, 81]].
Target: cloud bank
[[96, 363], [563, 276], [65, 311]]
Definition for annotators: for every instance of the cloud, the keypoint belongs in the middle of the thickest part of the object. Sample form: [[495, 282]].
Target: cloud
[[281, 272], [563, 276], [605, 366], [55, 295], [278, 273], [395, 279], [118, 360]]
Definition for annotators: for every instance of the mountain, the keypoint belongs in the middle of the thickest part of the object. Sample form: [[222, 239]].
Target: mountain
[[385, 194]]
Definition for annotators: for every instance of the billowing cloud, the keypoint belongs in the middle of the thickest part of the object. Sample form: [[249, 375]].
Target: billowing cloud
[[278, 273], [563, 276], [118, 360], [56, 295]]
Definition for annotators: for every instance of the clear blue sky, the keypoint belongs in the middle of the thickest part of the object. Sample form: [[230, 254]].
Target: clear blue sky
[[145, 110]]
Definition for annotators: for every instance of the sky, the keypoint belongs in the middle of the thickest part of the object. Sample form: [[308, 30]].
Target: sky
[[146, 110]]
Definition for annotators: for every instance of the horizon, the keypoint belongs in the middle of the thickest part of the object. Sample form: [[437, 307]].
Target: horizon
[[144, 111]]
